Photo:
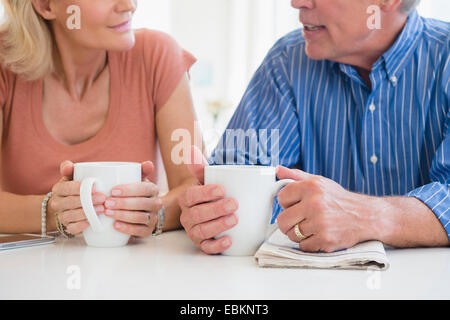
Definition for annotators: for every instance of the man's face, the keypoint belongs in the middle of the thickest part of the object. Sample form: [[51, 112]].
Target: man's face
[[335, 29]]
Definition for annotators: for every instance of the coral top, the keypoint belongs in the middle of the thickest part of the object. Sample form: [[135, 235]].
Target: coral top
[[142, 81]]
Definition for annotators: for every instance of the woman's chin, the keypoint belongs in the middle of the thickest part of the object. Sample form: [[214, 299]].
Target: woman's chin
[[124, 43]]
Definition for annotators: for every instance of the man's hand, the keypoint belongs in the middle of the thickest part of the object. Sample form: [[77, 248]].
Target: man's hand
[[330, 217], [205, 213]]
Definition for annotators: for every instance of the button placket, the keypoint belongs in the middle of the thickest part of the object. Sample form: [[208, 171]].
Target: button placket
[[372, 107]]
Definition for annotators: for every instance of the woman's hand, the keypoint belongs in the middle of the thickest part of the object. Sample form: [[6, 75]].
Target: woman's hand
[[65, 201], [135, 206]]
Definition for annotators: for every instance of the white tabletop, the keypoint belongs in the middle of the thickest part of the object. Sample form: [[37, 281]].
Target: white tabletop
[[171, 267]]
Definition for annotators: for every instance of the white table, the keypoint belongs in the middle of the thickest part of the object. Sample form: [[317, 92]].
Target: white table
[[171, 267]]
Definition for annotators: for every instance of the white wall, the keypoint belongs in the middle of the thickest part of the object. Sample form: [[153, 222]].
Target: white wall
[[438, 9], [153, 14]]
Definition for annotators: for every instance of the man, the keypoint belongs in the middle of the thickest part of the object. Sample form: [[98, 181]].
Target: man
[[364, 113]]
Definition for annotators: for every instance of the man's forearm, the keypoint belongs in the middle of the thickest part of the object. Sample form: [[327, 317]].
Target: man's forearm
[[406, 222]]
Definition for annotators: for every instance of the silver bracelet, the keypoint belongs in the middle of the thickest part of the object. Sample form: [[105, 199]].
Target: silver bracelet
[[44, 214], [160, 223]]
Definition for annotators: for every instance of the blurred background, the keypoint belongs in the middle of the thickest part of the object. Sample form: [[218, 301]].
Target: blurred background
[[230, 39]]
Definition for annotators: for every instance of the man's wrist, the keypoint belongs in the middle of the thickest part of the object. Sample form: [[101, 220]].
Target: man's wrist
[[378, 218]]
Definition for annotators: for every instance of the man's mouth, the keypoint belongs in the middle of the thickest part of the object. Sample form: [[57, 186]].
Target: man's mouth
[[311, 27]]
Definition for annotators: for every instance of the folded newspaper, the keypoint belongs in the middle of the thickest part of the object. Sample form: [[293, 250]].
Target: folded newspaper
[[280, 252]]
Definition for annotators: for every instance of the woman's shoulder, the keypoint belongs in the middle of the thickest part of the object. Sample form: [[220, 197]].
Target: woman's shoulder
[[145, 34], [154, 41], [154, 49], [157, 59], [151, 46]]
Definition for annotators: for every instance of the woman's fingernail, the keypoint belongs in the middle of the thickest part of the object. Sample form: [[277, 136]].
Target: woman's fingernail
[[109, 203], [118, 225], [226, 242], [109, 213], [99, 208], [116, 192], [230, 221], [99, 199], [230, 206], [217, 192]]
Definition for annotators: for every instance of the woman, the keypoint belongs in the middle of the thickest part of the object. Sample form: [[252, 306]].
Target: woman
[[87, 88]]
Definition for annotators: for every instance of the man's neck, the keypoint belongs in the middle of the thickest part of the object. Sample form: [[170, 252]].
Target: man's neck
[[382, 41], [365, 75]]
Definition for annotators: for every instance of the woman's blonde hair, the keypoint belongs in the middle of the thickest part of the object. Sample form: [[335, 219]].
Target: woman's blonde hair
[[26, 41]]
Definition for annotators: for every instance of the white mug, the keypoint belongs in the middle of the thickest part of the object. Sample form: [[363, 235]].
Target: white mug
[[105, 176], [254, 188]]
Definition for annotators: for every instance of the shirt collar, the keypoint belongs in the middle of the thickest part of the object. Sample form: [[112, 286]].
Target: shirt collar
[[398, 55]]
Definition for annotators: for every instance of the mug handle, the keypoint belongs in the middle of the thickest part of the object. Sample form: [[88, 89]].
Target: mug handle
[[276, 188], [88, 207]]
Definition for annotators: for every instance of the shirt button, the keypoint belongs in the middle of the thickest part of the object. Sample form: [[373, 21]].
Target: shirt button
[[372, 107], [374, 159], [394, 80]]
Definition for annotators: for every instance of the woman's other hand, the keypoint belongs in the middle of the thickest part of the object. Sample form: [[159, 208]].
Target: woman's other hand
[[65, 201]]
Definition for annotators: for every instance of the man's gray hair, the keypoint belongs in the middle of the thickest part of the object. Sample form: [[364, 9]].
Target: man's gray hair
[[408, 6]]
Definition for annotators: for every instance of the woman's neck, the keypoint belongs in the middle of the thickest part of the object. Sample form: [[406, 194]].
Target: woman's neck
[[76, 67]]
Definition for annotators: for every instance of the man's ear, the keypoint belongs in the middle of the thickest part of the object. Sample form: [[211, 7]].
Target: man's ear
[[44, 8], [390, 5]]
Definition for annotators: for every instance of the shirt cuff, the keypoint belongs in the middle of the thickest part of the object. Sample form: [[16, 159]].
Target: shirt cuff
[[437, 197], [276, 210]]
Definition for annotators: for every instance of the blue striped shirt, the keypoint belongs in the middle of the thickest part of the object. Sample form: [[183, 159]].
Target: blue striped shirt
[[391, 139]]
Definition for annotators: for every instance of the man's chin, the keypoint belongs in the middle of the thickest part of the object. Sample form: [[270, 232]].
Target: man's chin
[[315, 53]]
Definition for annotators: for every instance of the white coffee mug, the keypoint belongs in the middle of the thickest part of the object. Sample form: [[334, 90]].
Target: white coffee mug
[[105, 176], [254, 188]]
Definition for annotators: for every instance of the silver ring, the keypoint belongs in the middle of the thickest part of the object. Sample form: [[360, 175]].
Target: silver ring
[[298, 233]]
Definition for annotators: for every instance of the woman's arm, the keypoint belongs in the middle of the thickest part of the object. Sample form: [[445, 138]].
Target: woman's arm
[[177, 115], [20, 214]]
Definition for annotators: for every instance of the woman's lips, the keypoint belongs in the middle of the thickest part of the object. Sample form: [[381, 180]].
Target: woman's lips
[[123, 27]]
